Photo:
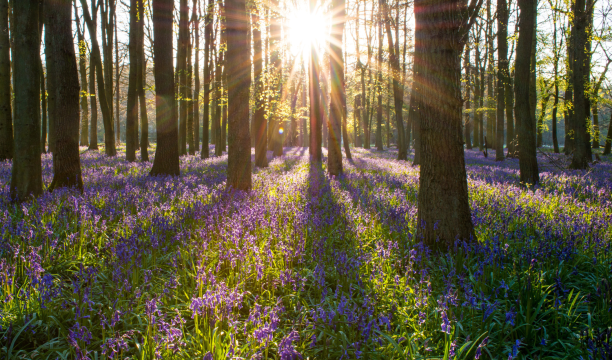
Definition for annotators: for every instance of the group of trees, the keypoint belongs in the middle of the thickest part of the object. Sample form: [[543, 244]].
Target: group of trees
[[231, 77]]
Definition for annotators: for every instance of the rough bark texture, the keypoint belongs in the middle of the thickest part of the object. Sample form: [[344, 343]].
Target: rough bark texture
[[502, 75], [66, 163], [580, 160], [443, 204], [204, 153], [166, 160], [26, 175], [6, 118], [337, 95], [131, 120], [526, 140], [196, 68], [50, 63], [239, 81], [43, 104]]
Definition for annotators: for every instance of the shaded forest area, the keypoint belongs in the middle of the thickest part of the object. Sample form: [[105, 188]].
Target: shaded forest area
[[305, 179]]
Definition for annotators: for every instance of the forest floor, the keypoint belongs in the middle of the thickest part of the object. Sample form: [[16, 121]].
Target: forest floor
[[304, 265]]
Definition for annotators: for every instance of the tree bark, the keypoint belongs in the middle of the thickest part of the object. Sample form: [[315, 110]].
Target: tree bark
[[502, 74], [181, 68], [6, 116], [443, 205], [195, 18], [379, 109], [608, 144], [26, 173], [107, 118], [66, 163], [189, 100], [83, 73], [43, 105], [239, 81], [316, 110], [166, 160], [131, 119], [337, 94], [259, 121], [93, 126], [204, 153], [580, 160], [527, 145], [468, 101]]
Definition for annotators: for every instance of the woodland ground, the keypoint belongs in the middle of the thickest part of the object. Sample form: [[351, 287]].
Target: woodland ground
[[304, 265]]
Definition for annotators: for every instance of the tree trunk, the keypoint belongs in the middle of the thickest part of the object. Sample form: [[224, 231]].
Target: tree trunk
[[316, 110], [398, 89], [477, 95], [195, 18], [83, 72], [131, 119], [43, 105], [239, 82], [107, 118], [443, 204], [491, 116], [117, 87], [50, 62], [608, 144], [189, 100], [259, 121], [554, 116], [379, 109], [533, 97], [166, 160], [207, 50], [93, 126], [181, 68], [580, 159], [66, 163], [6, 116], [502, 74], [337, 94], [26, 173], [528, 163], [468, 101]]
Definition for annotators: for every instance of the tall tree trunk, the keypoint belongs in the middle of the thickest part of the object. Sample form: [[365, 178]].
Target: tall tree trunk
[[144, 119], [533, 97], [131, 119], [50, 62], [218, 98], [580, 160], [477, 95], [379, 110], [443, 205], [66, 163], [491, 116], [107, 117], [83, 72], [195, 18], [6, 116], [166, 160], [239, 82], [337, 94], [528, 163], [26, 173], [117, 87], [316, 111], [259, 121], [467, 137], [208, 22], [181, 68], [108, 17], [608, 144], [502, 74], [556, 84], [189, 100], [398, 89]]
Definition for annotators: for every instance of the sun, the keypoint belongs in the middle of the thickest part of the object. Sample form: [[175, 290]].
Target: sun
[[306, 28]]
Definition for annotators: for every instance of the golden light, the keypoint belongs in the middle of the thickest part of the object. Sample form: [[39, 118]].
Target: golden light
[[306, 28], [281, 131]]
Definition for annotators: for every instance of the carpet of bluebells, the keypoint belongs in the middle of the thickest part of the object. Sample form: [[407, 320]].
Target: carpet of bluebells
[[304, 266]]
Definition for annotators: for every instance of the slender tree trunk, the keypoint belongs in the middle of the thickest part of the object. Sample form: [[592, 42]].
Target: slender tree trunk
[[66, 163], [316, 111], [468, 101], [528, 163], [502, 74], [166, 160], [491, 116], [259, 121], [533, 97], [93, 126], [6, 116], [83, 73], [50, 62], [398, 89], [140, 89], [117, 87], [131, 119], [239, 82], [477, 95], [107, 117], [555, 104], [608, 144], [181, 68], [195, 18], [580, 158], [26, 173], [443, 205], [207, 50], [337, 95], [379, 110], [189, 100]]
